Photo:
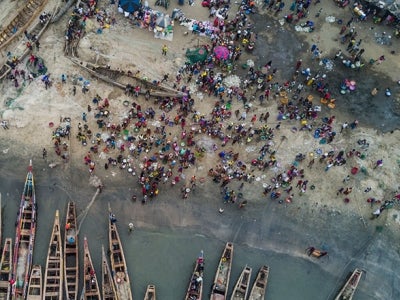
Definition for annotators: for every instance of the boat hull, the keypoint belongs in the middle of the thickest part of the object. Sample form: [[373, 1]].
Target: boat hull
[[71, 251], [35, 284], [260, 285], [221, 282], [53, 281], [24, 239]]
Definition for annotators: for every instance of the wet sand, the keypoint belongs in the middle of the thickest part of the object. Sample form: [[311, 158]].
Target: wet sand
[[170, 232]]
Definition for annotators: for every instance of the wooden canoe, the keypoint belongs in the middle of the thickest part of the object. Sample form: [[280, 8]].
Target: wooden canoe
[[260, 285], [195, 288], [150, 292], [21, 21], [24, 239], [121, 79], [118, 262], [220, 286], [71, 251], [38, 29], [53, 279], [35, 284], [107, 283], [5, 270], [348, 290], [242, 285], [90, 284]]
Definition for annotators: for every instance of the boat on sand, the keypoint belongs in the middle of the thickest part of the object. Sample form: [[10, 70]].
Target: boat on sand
[[348, 290], [260, 285], [195, 288], [242, 285], [150, 292], [21, 21], [220, 286], [107, 283], [90, 284], [53, 280], [71, 251], [35, 284], [24, 239], [5, 270], [118, 262]]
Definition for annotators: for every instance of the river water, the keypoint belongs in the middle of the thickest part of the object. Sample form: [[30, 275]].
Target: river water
[[170, 233]]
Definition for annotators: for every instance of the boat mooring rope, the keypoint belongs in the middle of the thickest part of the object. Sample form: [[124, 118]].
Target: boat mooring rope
[[83, 215]]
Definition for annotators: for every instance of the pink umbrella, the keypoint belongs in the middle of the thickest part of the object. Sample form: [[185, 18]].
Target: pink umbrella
[[221, 52]]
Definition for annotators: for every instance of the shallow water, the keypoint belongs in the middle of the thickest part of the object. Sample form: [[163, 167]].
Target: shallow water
[[162, 251]]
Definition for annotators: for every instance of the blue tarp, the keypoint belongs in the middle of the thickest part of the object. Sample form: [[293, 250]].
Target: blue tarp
[[129, 5]]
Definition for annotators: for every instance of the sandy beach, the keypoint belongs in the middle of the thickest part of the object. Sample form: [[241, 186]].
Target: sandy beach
[[319, 216]]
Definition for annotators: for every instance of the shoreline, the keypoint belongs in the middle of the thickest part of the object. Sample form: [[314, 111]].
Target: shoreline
[[317, 216]]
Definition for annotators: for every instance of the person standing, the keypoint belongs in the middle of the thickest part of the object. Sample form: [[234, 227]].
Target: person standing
[[164, 50], [44, 153], [298, 64]]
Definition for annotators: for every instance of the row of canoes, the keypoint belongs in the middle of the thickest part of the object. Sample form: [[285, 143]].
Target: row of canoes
[[242, 289], [220, 286], [20, 280]]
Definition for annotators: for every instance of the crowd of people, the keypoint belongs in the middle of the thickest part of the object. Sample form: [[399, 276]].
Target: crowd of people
[[158, 141]]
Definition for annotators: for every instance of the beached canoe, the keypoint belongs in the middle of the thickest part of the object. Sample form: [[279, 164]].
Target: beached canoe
[[37, 30], [150, 292], [71, 251], [24, 239], [260, 285], [195, 289], [53, 279], [5, 270], [107, 283], [35, 284], [21, 21], [242, 285], [220, 286], [121, 79], [118, 262], [348, 290], [90, 284]]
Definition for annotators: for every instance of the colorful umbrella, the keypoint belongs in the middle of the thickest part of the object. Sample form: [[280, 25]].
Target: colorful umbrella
[[221, 52]]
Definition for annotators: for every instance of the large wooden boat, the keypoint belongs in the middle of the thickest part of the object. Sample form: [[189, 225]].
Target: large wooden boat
[[260, 285], [24, 239], [107, 283], [71, 250], [122, 79], [90, 284], [53, 280], [21, 51], [220, 286], [348, 290], [118, 262], [21, 21], [150, 292], [242, 285], [5, 270], [35, 284], [195, 289]]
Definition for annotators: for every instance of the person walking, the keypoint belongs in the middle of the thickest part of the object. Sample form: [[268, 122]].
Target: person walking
[[164, 50], [44, 153]]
